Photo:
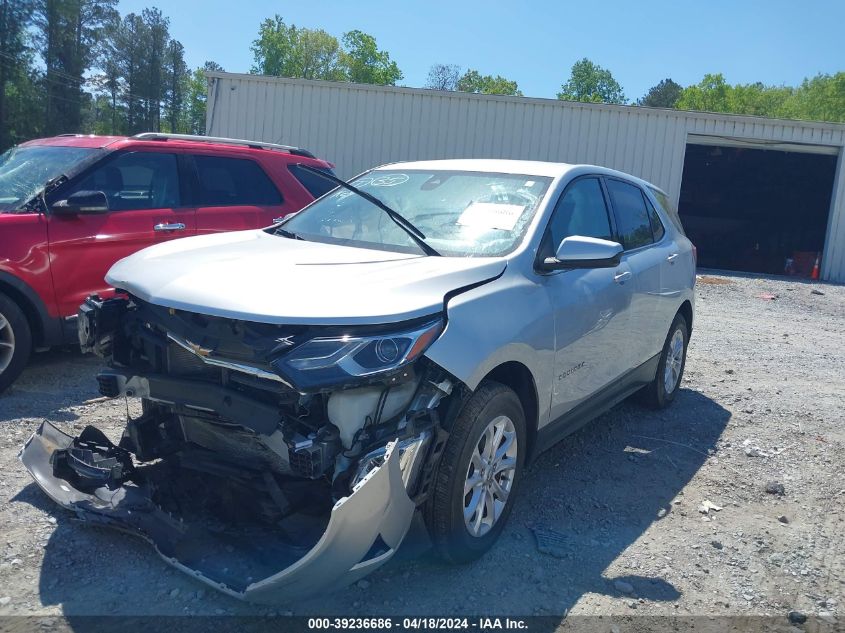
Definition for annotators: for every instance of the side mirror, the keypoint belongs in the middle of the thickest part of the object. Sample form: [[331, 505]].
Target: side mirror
[[578, 251], [82, 202]]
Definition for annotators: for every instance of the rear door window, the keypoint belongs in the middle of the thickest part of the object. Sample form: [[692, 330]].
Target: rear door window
[[315, 185], [632, 220], [225, 181]]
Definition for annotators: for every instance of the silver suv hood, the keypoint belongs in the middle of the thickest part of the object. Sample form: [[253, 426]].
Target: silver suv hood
[[255, 276]]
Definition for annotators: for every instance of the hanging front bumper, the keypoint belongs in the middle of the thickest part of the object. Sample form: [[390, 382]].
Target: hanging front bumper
[[364, 529]]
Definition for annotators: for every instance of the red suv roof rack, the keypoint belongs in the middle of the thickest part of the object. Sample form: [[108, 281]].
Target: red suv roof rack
[[158, 136]]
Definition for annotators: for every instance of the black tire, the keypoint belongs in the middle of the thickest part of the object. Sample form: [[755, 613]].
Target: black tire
[[444, 510], [654, 394], [19, 334]]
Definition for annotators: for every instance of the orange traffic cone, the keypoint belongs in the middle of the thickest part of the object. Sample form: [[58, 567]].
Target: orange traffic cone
[[815, 273]]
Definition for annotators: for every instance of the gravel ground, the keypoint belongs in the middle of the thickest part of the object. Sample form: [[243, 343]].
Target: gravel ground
[[667, 513]]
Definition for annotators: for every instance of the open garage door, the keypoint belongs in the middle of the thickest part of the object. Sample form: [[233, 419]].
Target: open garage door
[[756, 210]]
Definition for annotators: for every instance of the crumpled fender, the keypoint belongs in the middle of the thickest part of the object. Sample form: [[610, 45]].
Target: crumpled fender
[[378, 506]]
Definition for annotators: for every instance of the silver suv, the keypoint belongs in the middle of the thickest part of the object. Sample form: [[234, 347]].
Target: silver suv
[[409, 341]]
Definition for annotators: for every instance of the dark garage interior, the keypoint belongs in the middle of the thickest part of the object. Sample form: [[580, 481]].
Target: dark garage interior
[[756, 210]]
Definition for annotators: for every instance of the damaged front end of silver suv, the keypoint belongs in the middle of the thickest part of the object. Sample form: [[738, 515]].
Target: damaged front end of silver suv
[[270, 462]]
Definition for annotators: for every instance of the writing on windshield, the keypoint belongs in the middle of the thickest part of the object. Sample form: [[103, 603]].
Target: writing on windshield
[[461, 213]]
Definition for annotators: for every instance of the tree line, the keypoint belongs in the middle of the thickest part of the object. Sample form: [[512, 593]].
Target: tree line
[[78, 66], [820, 98]]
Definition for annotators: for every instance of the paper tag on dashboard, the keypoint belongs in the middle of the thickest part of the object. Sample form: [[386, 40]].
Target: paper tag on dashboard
[[491, 215]]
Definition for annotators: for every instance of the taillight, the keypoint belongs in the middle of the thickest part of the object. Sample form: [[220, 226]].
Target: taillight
[[694, 256]]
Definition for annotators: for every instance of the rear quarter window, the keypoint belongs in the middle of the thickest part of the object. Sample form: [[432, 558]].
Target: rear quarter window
[[668, 208], [656, 225], [225, 181], [312, 182]]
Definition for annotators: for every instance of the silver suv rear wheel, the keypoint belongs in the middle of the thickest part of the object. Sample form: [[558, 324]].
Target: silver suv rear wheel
[[674, 361], [670, 367]]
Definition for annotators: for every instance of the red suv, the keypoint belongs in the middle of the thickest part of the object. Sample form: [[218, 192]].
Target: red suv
[[72, 205]]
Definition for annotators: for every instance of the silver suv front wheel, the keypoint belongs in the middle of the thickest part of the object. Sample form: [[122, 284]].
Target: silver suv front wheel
[[476, 481], [490, 475]]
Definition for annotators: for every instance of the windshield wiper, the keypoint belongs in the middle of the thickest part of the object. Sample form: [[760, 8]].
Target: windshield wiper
[[288, 234], [415, 234]]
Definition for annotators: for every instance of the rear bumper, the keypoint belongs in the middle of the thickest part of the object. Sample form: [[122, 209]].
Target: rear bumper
[[363, 532]]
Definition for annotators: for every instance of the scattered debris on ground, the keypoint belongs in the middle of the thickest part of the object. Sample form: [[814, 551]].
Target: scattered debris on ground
[[775, 488]]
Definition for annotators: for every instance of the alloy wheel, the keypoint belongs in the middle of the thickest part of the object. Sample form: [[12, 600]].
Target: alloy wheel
[[7, 343], [490, 476], [674, 360]]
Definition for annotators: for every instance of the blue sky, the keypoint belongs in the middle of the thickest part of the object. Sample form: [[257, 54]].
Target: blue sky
[[536, 43]]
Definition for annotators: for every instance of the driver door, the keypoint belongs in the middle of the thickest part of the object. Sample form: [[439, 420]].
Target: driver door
[[145, 208], [591, 306]]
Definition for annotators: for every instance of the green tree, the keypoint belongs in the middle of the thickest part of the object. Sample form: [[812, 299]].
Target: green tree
[[197, 95], [143, 73], [284, 50], [714, 94], [109, 81], [591, 82], [711, 94], [663, 95], [443, 77], [473, 81], [362, 61], [157, 40], [318, 55], [15, 60], [131, 44], [176, 86], [24, 106], [821, 98], [69, 33]]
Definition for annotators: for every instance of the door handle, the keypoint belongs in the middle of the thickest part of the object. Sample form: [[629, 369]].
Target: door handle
[[175, 226], [671, 259], [622, 277]]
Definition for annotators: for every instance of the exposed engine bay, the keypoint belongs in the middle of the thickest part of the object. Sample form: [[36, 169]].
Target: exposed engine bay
[[239, 470]]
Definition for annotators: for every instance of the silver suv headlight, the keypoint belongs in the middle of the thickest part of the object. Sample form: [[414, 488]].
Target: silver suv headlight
[[327, 361]]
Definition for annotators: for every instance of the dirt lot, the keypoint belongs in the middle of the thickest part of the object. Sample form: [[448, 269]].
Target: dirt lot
[[618, 510]]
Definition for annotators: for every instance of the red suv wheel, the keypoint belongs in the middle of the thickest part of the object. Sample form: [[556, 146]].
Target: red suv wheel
[[15, 341]]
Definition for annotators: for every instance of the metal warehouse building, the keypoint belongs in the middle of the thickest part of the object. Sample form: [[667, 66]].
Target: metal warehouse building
[[752, 192]]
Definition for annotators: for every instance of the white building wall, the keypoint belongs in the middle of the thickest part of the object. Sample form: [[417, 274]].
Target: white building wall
[[359, 126]]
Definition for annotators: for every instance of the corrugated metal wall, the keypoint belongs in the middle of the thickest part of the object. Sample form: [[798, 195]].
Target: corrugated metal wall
[[359, 126]]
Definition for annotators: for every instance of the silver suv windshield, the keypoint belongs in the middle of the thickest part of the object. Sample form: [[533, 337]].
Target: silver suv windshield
[[461, 213], [25, 170]]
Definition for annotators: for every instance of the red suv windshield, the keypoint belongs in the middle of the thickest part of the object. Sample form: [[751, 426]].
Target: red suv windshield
[[25, 170]]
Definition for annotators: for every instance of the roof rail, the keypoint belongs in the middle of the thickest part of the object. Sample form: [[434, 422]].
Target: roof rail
[[159, 136]]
